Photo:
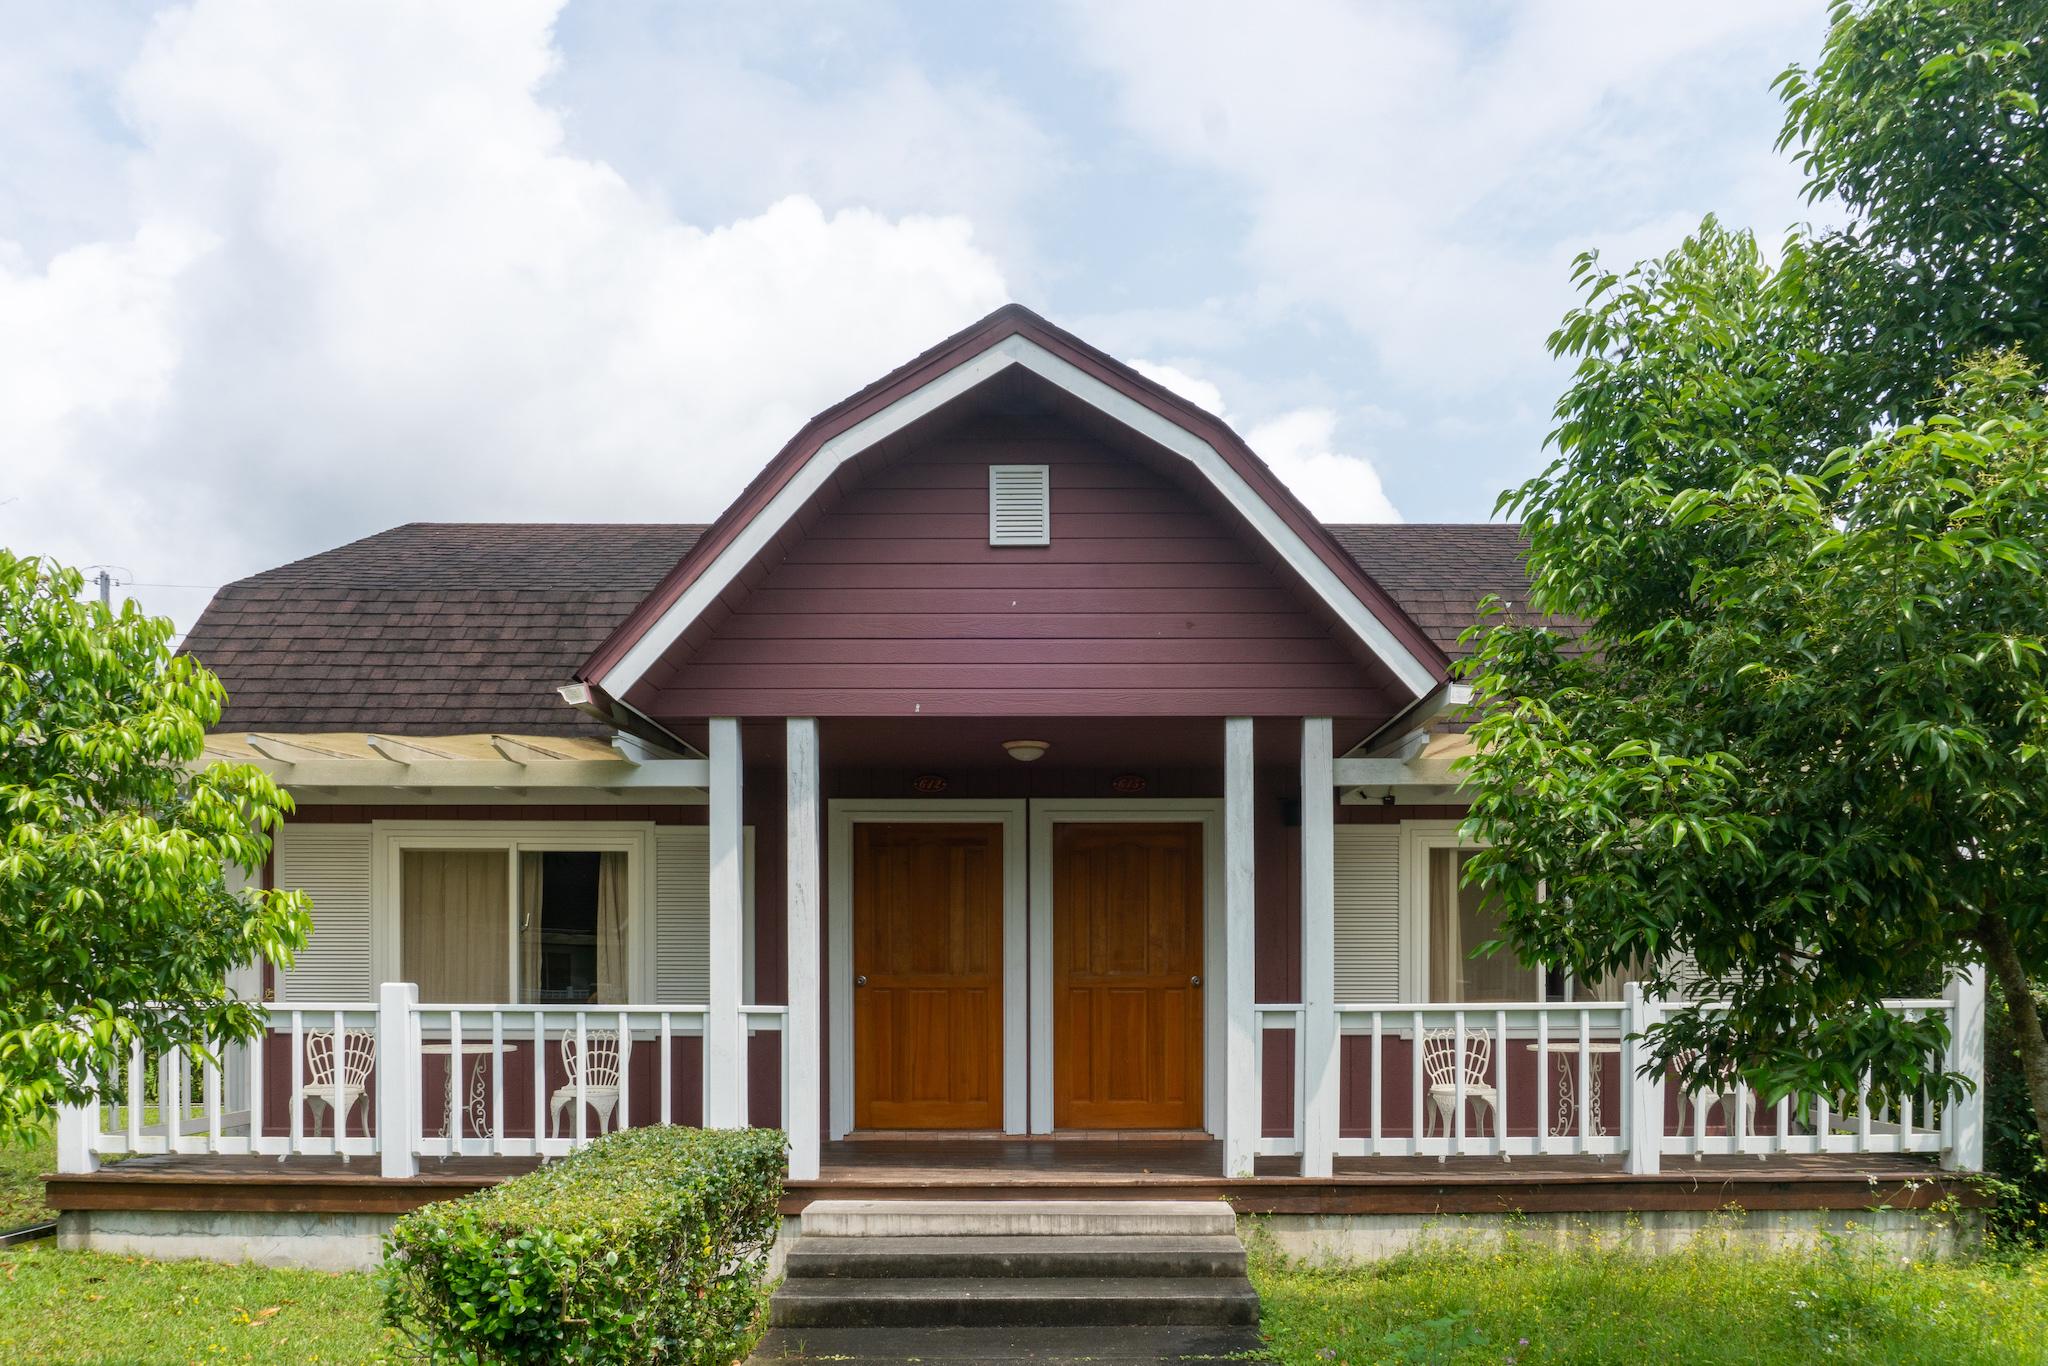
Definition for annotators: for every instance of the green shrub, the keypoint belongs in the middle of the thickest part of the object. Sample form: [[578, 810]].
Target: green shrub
[[649, 1245]]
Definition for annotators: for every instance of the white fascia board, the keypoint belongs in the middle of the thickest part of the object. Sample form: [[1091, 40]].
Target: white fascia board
[[486, 773], [927, 398]]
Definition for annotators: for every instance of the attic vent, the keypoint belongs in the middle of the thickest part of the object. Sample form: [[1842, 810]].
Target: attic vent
[[1019, 505]]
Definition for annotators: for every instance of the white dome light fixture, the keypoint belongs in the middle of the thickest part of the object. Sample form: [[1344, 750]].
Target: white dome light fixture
[[1025, 751]]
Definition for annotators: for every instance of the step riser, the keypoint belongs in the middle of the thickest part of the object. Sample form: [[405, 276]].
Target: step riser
[[880, 1265], [1021, 1224], [1221, 1311]]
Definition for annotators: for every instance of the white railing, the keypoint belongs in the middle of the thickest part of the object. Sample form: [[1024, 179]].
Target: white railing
[[1526, 1079], [397, 1081]]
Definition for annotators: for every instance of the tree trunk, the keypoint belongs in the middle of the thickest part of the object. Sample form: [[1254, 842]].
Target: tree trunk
[[1996, 937]]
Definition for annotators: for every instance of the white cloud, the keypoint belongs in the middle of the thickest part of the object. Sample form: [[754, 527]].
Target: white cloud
[[1299, 446], [365, 281], [1427, 172]]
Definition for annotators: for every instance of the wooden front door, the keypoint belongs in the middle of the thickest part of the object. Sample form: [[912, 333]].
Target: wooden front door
[[1127, 961], [928, 976]]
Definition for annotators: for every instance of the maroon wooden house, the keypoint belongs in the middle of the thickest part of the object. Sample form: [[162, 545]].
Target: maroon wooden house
[[1015, 760]]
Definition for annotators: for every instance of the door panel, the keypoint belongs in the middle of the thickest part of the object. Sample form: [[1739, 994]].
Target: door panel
[[1127, 946], [928, 940]]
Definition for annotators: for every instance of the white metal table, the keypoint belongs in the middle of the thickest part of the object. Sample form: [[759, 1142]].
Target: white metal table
[[1567, 1050], [479, 1110]]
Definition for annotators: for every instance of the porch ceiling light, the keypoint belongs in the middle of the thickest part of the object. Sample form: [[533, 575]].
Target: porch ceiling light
[[1024, 751]]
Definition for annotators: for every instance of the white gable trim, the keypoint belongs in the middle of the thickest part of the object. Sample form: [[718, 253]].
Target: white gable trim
[[1016, 349]]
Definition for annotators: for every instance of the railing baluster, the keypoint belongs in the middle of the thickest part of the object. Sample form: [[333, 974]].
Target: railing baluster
[[1583, 1096], [1379, 1063], [540, 1079], [1415, 1122], [298, 1126], [256, 1049], [1544, 1084], [455, 1081], [1823, 1120], [582, 1077], [209, 1088], [339, 1061], [1458, 1082], [497, 1080], [1500, 1082], [137, 1095], [1783, 1122], [625, 1115], [668, 1113], [170, 1095]]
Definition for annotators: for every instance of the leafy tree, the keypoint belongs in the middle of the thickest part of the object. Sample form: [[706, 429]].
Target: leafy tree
[[1799, 507], [116, 923]]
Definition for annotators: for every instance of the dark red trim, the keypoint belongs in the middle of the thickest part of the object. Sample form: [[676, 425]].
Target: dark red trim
[[1007, 321]]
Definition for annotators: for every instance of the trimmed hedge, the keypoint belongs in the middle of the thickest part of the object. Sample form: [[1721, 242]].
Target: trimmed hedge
[[649, 1245]]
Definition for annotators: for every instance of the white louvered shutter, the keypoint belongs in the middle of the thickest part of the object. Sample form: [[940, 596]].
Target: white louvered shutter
[[1368, 913], [1019, 505], [682, 916], [331, 865]]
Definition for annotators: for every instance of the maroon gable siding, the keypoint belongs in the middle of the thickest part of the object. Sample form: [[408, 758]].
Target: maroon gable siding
[[893, 603]]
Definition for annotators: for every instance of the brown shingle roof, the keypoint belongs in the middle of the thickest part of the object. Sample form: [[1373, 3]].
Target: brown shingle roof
[[430, 628], [446, 628]]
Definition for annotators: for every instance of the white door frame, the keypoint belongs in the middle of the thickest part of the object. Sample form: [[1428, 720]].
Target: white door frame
[[1206, 812], [844, 812]]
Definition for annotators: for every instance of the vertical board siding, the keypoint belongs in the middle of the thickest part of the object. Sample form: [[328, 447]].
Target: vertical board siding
[[1368, 904], [331, 865], [682, 916], [893, 601]]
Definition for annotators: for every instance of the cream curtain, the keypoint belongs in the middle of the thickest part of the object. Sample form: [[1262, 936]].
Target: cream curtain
[[1457, 925], [529, 926], [453, 924], [611, 928]]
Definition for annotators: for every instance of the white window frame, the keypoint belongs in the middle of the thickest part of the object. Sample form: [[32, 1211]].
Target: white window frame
[[390, 839]]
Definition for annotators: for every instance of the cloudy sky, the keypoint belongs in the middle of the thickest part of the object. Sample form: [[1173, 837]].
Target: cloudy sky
[[275, 275]]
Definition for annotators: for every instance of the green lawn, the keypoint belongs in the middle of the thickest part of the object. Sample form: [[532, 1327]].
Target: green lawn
[[92, 1307], [21, 1181], [1527, 1305]]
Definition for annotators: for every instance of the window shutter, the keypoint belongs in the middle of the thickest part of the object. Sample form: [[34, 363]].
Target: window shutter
[[682, 916], [330, 864], [1019, 505], [1368, 913]]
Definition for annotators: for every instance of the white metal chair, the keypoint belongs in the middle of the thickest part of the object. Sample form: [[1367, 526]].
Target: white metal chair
[[597, 1067], [357, 1053], [1441, 1065]]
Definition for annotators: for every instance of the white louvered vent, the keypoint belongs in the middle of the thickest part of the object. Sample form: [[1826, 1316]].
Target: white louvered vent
[[1019, 505], [1368, 868], [330, 864], [682, 916]]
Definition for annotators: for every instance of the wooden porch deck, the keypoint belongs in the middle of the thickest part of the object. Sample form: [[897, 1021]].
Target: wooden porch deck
[[987, 1168]]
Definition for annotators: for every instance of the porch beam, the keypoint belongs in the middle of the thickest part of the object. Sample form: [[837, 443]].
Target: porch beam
[[305, 772], [724, 1106], [1318, 1090], [1240, 945], [1417, 772], [806, 901]]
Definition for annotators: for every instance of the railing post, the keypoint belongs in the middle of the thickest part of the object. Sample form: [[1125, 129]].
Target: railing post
[[75, 1126], [398, 1073], [1642, 1096], [1964, 1149]]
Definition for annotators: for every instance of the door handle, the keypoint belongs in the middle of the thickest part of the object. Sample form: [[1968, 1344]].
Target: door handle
[[1195, 981], [861, 980]]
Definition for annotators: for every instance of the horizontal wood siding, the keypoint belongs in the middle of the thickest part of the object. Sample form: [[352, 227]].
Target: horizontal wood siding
[[891, 602]]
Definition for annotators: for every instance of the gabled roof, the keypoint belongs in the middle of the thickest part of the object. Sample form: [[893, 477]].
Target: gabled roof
[[464, 628], [1014, 336]]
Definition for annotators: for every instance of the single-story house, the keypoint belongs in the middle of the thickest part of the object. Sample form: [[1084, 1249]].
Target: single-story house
[[1015, 761]]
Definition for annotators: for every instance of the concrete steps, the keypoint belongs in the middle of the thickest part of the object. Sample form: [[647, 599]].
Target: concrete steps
[[1040, 1281]]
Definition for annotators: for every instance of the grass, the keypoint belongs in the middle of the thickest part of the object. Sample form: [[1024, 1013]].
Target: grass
[[94, 1307], [1841, 1301], [21, 1181]]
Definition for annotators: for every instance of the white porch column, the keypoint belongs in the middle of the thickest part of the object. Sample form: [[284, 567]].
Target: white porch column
[[800, 1026], [1642, 1097], [75, 1125], [1240, 946], [1318, 1118], [1964, 1150], [724, 1105], [398, 1081]]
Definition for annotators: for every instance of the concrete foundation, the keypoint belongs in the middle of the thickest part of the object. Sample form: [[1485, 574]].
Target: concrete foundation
[[322, 1242], [1372, 1237]]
